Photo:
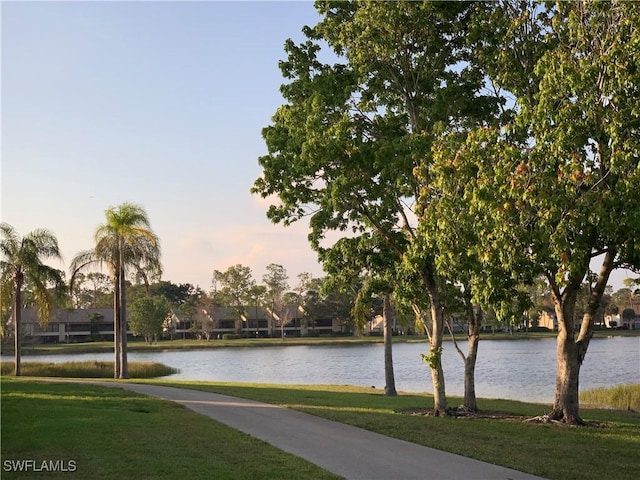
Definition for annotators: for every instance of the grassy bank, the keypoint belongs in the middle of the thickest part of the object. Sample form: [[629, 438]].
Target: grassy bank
[[189, 344], [90, 369], [180, 344], [112, 423], [192, 344], [620, 397]]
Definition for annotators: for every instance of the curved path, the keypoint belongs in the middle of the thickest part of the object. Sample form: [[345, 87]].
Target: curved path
[[351, 452]]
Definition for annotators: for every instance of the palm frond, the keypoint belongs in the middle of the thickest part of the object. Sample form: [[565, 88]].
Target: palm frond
[[23, 262], [44, 243], [127, 236], [10, 241], [7, 270], [40, 279], [82, 262]]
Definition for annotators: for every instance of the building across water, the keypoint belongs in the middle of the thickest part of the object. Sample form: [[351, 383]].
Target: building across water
[[86, 324]]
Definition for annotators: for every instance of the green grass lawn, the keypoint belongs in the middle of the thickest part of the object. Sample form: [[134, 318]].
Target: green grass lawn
[[608, 450], [110, 433]]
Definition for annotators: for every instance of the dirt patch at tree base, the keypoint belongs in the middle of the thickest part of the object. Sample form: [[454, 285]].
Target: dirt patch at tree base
[[464, 413], [459, 413]]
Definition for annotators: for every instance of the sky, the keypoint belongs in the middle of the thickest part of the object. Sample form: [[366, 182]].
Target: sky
[[156, 103]]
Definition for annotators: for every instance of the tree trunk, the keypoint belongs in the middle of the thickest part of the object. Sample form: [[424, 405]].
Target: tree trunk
[[473, 338], [124, 369], [116, 325], [435, 343], [17, 317], [437, 375], [387, 313], [435, 350], [270, 325], [566, 404], [570, 352]]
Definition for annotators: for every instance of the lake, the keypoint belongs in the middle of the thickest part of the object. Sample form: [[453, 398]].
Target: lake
[[511, 369]]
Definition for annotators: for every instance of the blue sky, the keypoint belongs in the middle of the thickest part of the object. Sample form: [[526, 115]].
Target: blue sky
[[157, 103]]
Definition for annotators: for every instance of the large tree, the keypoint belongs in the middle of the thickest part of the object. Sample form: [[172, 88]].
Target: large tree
[[124, 242], [555, 188], [275, 286], [447, 233], [344, 147], [257, 295], [322, 301], [177, 295], [234, 287], [22, 264], [147, 315]]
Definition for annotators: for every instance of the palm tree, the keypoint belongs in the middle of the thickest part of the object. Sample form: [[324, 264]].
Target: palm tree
[[22, 264], [125, 241]]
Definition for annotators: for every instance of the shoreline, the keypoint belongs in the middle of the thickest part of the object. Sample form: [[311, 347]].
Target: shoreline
[[135, 345]]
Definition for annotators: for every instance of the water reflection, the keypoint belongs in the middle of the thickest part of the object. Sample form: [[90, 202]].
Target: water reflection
[[513, 369]]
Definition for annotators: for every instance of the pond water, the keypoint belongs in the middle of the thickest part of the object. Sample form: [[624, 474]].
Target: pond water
[[512, 369]]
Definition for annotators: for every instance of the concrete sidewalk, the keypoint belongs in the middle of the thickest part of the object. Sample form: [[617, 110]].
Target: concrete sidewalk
[[351, 452]]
